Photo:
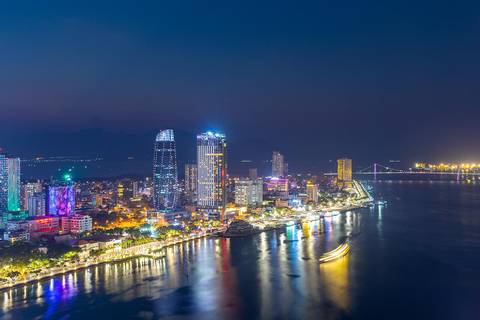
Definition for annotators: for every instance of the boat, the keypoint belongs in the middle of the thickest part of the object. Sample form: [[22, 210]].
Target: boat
[[290, 223], [341, 251]]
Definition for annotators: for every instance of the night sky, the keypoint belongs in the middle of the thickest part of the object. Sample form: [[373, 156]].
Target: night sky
[[317, 80]]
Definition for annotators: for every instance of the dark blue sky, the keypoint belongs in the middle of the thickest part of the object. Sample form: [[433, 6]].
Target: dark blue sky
[[337, 77]]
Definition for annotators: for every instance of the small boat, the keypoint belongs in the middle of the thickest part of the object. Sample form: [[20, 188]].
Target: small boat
[[339, 252]]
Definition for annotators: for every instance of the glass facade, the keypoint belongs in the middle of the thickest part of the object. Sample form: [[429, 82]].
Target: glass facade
[[165, 175], [14, 184], [3, 183], [212, 172]]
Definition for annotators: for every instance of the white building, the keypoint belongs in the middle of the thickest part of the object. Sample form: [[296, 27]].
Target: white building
[[278, 166], [76, 224], [212, 174], [248, 192]]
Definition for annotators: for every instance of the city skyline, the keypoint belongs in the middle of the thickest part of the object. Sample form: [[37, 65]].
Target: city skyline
[[196, 69]]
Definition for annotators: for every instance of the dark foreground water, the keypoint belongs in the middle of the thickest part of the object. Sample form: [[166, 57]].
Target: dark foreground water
[[416, 258]]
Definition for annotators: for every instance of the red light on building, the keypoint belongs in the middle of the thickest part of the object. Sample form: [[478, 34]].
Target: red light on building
[[44, 220]]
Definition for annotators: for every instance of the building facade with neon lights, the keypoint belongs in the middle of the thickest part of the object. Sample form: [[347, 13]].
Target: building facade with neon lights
[[13, 184], [165, 174], [212, 174], [3, 183], [61, 199], [9, 183]]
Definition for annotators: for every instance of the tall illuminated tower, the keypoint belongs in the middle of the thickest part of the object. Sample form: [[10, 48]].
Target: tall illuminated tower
[[13, 184], [344, 172], [9, 183], [278, 166], [165, 175], [212, 174], [3, 183]]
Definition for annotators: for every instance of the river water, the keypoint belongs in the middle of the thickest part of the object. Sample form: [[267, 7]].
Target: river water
[[415, 258]]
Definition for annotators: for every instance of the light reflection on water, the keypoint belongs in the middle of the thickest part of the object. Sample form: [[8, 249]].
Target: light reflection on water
[[394, 259], [202, 277]]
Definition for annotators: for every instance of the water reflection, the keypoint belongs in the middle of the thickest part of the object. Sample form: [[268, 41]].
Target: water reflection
[[335, 279], [270, 275]]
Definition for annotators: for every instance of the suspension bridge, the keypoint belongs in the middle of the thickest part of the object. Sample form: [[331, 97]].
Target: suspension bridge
[[379, 169]]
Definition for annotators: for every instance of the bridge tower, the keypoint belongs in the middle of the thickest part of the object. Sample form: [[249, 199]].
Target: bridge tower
[[458, 172], [374, 171]]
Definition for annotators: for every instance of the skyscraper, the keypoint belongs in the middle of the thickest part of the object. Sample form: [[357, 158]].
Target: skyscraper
[[253, 173], [277, 164], [165, 175], [9, 183], [191, 176], [212, 173], [3, 183], [13, 184], [191, 181], [344, 178]]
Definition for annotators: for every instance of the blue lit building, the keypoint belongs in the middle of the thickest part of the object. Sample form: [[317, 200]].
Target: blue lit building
[[165, 175], [3, 183]]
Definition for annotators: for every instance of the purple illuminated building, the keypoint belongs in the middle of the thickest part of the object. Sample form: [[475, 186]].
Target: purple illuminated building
[[61, 200]]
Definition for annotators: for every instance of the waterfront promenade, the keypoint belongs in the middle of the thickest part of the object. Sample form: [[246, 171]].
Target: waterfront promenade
[[150, 249]]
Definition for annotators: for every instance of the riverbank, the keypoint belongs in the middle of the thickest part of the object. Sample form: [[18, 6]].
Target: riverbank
[[118, 256]]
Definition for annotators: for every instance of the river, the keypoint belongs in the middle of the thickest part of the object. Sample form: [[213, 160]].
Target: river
[[415, 258]]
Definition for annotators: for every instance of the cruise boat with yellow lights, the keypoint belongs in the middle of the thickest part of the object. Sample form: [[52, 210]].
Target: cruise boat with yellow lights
[[341, 251]]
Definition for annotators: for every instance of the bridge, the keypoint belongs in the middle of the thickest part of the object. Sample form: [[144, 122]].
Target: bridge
[[377, 168]]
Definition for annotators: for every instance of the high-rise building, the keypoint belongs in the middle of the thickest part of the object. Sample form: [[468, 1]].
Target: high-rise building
[[135, 189], [3, 183], [26, 191], [9, 183], [278, 166], [165, 175], [191, 181], [212, 174], [248, 192], [61, 199], [344, 178], [191, 177], [13, 184], [253, 173], [36, 205], [312, 192]]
